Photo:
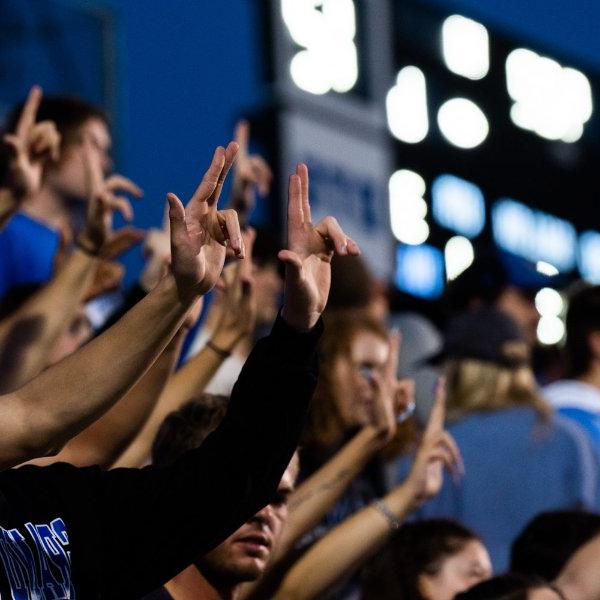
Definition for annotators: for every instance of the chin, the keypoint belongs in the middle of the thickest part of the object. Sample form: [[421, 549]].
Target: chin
[[248, 569]]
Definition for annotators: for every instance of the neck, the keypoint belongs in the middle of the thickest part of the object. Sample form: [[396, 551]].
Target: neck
[[49, 207], [592, 375], [190, 584]]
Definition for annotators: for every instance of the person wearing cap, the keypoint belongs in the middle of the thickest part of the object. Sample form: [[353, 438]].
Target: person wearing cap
[[520, 458], [578, 396]]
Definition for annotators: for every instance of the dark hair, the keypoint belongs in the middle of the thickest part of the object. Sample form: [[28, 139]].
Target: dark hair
[[68, 114], [266, 247], [415, 549], [583, 318], [550, 539], [352, 284], [510, 586], [16, 297], [187, 428]]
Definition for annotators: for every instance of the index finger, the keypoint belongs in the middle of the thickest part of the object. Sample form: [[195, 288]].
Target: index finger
[[391, 365], [302, 172], [230, 154], [437, 417], [242, 136], [29, 112], [211, 177]]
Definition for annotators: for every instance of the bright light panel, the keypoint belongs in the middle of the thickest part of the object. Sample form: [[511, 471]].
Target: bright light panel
[[465, 46], [550, 330], [549, 303], [458, 255], [408, 208], [420, 270], [553, 101], [329, 59], [463, 123], [589, 256], [546, 268], [534, 235], [406, 105], [458, 205]]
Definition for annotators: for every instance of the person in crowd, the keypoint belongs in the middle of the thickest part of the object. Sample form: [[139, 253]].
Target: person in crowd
[[547, 543], [427, 560], [521, 459], [243, 556], [349, 545], [512, 586], [578, 396], [51, 211], [101, 521]]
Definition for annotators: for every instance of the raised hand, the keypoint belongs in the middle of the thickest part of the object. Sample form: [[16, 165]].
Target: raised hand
[[251, 173], [200, 233], [97, 237], [308, 257], [437, 450], [32, 145]]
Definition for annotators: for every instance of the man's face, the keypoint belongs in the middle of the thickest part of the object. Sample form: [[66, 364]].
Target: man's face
[[68, 177], [243, 556]]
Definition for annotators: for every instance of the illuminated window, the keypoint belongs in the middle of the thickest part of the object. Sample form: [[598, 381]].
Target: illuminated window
[[458, 205], [465, 45], [534, 235], [458, 255], [589, 256], [463, 123], [406, 105], [326, 29], [553, 101], [408, 208], [420, 270]]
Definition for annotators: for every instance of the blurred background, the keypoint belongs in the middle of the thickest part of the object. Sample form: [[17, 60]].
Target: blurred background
[[435, 130]]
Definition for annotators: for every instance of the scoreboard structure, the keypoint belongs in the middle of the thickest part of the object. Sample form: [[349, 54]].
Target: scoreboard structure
[[432, 137]]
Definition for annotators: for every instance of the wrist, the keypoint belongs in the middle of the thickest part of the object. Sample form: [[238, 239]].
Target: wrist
[[302, 321], [227, 339]]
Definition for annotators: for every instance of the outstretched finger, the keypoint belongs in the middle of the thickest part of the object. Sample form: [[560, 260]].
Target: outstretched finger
[[29, 112], [437, 417], [211, 177], [391, 365], [457, 459], [302, 172], [242, 137], [262, 174], [120, 204], [123, 184], [230, 154], [230, 226], [122, 240], [330, 229], [295, 213]]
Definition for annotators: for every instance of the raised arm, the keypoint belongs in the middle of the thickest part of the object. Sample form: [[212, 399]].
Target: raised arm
[[60, 402], [349, 545], [28, 336], [236, 307]]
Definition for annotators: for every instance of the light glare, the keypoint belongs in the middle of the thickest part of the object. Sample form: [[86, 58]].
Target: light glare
[[406, 105], [458, 254], [465, 45], [408, 208], [549, 302], [463, 123], [550, 330]]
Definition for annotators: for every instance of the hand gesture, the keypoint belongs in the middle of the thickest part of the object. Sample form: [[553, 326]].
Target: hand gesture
[[97, 237], [308, 257], [251, 173], [32, 145], [200, 233], [236, 302], [436, 450]]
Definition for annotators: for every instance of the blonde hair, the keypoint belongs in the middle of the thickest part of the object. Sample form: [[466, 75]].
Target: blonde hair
[[476, 385]]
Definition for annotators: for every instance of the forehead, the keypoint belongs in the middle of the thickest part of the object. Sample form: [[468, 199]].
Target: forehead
[[474, 551], [369, 347]]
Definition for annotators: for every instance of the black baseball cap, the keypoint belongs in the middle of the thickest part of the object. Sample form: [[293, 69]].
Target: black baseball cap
[[483, 334]]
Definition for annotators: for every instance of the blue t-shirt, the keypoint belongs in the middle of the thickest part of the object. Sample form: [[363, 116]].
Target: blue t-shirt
[[27, 252], [516, 467]]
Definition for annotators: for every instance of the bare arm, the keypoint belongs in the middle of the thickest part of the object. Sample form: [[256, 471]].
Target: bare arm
[[69, 396], [349, 545], [579, 579]]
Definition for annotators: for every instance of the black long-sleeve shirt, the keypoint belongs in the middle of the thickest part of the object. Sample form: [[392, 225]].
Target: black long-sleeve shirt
[[85, 533]]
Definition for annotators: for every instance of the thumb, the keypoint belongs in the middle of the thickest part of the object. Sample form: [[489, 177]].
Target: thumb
[[291, 260], [176, 216]]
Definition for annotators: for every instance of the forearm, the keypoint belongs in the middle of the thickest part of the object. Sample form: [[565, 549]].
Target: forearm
[[75, 392], [344, 549], [314, 497], [28, 336], [103, 441], [188, 382]]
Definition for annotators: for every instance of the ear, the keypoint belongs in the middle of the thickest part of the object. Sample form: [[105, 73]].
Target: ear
[[594, 344]]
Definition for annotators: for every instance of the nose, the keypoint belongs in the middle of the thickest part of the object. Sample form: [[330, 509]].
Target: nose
[[265, 516]]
